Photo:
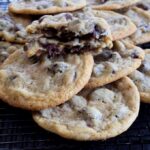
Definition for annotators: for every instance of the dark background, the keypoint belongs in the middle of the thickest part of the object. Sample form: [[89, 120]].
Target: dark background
[[18, 131]]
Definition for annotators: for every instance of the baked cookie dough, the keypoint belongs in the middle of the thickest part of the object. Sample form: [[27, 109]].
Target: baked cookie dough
[[121, 26], [68, 33], [141, 78], [34, 84], [41, 7], [113, 64], [10, 31], [110, 4], [141, 19], [96, 114], [7, 49]]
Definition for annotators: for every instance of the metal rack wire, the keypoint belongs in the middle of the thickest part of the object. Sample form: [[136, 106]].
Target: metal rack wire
[[18, 131]]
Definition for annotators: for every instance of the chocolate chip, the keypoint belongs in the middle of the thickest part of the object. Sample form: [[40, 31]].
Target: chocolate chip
[[34, 59], [104, 56], [53, 50], [75, 76], [64, 35], [142, 6], [113, 72], [49, 32], [13, 77], [68, 16], [25, 48], [134, 55], [103, 1]]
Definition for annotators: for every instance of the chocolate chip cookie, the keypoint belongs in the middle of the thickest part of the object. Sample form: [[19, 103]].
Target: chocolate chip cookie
[[141, 19], [34, 84], [113, 64], [7, 49], [141, 78], [41, 7], [110, 4], [68, 33], [96, 114], [10, 31]]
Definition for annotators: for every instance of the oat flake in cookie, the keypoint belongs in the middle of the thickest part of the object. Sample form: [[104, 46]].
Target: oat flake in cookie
[[141, 19], [121, 26], [41, 7], [68, 33], [10, 31], [34, 84], [113, 64], [96, 114], [141, 78], [111, 4], [7, 49]]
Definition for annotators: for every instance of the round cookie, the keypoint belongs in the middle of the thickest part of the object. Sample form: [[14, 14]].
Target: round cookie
[[113, 64], [110, 4], [42, 7], [141, 19], [120, 25], [141, 78], [11, 31], [35, 84], [96, 114], [7, 49]]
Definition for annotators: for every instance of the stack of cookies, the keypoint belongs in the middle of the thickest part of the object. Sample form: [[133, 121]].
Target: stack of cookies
[[76, 64]]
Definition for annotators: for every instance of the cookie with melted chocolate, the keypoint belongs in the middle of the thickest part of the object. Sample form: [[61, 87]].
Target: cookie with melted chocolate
[[68, 33]]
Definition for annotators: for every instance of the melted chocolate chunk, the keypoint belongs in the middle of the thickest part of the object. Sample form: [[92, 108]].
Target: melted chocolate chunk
[[65, 35], [51, 32], [53, 50]]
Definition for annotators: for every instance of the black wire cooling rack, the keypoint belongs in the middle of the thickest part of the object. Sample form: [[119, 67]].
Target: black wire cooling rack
[[18, 131]]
